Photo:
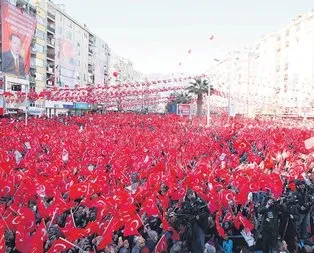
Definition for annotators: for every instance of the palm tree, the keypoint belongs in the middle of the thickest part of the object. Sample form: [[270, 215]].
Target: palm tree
[[199, 87]]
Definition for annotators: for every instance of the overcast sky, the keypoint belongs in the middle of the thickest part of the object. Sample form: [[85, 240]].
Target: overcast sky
[[157, 35]]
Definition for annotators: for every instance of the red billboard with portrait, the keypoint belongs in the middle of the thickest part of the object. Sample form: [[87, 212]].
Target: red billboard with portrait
[[18, 29]]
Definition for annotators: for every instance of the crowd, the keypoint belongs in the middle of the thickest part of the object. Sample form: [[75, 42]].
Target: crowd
[[130, 183]]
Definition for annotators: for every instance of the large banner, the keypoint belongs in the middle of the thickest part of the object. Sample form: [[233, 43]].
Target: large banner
[[99, 71], [17, 33], [68, 63]]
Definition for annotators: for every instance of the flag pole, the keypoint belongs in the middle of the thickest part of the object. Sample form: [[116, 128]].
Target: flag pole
[[72, 244]]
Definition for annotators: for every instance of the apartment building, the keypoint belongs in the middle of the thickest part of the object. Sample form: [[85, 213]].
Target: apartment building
[[275, 76]]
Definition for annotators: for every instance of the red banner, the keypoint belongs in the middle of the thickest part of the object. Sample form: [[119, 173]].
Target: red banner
[[17, 33]]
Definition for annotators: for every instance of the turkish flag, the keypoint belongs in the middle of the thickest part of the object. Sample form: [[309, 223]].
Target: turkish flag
[[162, 245], [60, 245], [73, 234], [132, 226], [150, 207], [39, 238], [220, 230], [79, 190], [107, 235], [248, 226]]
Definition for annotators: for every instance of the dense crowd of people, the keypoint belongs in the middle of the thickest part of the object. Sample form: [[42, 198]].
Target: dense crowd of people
[[128, 183]]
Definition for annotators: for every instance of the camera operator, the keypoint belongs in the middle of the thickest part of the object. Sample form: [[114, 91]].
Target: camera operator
[[269, 225], [193, 215], [304, 194], [288, 219]]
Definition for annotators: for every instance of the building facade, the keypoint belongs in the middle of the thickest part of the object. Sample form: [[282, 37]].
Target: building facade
[[275, 76], [64, 53]]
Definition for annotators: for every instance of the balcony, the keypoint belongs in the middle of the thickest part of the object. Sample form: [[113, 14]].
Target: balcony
[[33, 50], [51, 43], [50, 81], [32, 78], [51, 57], [90, 51], [91, 40], [50, 71], [51, 29], [51, 16]]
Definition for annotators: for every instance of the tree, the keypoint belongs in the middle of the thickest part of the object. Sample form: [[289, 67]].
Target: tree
[[179, 98], [199, 87]]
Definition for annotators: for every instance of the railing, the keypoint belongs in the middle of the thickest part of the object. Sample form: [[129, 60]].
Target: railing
[[51, 16], [51, 42], [51, 56], [51, 29]]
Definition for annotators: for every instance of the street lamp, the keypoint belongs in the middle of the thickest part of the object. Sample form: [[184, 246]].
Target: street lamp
[[208, 94], [208, 102]]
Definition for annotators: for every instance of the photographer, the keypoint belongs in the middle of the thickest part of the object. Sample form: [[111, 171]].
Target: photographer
[[270, 224], [193, 215], [304, 194]]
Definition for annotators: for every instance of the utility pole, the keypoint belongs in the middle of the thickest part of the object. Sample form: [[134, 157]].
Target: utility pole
[[208, 102]]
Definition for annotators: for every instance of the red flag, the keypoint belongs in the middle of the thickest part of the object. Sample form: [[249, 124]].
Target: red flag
[[220, 230], [150, 207], [60, 245], [77, 191], [73, 233], [22, 239], [132, 226], [107, 235], [39, 238], [248, 226], [162, 245]]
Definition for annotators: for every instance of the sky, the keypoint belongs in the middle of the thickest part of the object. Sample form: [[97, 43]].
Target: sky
[[157, 35]]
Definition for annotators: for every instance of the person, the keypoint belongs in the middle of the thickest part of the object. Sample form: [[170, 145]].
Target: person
[[198, 213], [12, 61], [270, 225]]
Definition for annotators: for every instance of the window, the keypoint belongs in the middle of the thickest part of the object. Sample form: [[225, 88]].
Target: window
[[69, 35], [60, 30], [39, 48], [40, 34], [16, 87], [39, 77], [39, 63], [69, 23], [40, 20], [297, 28], [287, 33], [33, 62]]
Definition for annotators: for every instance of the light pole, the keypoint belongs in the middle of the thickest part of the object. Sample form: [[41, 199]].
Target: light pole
[[208, 102], [26, 104]]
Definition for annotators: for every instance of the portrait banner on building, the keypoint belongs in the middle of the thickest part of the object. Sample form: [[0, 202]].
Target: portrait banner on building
[[68, 63], [18, 29]]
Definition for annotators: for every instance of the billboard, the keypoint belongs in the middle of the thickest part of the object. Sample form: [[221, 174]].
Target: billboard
[[18, 29], [184, 109]]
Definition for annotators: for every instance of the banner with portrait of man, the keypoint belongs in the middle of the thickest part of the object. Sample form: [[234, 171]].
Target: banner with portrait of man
[[18, 29]]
